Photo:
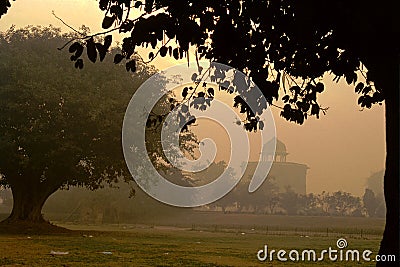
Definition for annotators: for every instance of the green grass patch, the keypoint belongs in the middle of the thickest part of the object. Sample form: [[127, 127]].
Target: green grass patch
[[163, 246]]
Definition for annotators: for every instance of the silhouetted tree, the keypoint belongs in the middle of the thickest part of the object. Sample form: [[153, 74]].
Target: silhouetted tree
[[309, 204], [375, 182], [323, 202], [289, 201], [342, 203], [241, 197], [265, 197], [300, 40], [370, 202], [381, 209], [271, 195], [226, 201]]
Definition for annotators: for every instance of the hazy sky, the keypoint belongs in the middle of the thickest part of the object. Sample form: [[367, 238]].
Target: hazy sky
[[341, 149]]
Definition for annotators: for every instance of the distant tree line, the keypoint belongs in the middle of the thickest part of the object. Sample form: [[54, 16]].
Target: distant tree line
[[128, 204], [269, 200]]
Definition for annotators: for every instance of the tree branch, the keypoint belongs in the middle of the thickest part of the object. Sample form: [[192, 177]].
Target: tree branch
[[63, 22]]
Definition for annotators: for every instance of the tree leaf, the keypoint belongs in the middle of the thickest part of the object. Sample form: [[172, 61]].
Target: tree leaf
[[359, 87], [117, 11], [210, 91], [77, 48], [91, 50], [118, 58], [366, 90], [103, 4], [285, 99], [185, 92], [319, 87], [102, 51], [79, 64], [151, 55], [108, 22], [74, 47], [131, 65], [107, 41], [314, 109], [163, 51], [126, 26], [138, 4], [175, 52]]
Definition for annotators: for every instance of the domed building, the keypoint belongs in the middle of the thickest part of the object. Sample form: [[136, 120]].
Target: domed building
[[280, 152], [283, 173]]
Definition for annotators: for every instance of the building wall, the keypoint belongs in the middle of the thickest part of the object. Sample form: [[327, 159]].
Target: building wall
[[284, 174]]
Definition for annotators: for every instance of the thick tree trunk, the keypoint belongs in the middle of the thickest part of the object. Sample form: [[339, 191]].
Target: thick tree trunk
[[390, 240], [27, 207], [28, 201]]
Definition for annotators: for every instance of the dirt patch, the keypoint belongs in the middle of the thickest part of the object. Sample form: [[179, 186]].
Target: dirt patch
[[23, 227]]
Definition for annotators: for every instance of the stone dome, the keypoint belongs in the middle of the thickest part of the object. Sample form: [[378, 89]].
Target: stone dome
[[280, 151]]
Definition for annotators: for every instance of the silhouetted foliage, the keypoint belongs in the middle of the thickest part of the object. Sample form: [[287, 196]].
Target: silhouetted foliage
[[289, 201], [4, 6], [277, 43], [269, 198], [370, 202], [374, 203], [342, 203]]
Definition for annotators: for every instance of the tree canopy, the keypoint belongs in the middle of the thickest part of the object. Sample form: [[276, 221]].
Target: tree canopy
[[289, 44], [60, 127]]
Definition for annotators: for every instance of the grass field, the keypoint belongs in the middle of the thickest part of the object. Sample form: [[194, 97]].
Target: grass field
[[205, 245]]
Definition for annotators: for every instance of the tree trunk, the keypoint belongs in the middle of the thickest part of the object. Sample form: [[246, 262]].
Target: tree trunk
[[28, 201], [390, 240]]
